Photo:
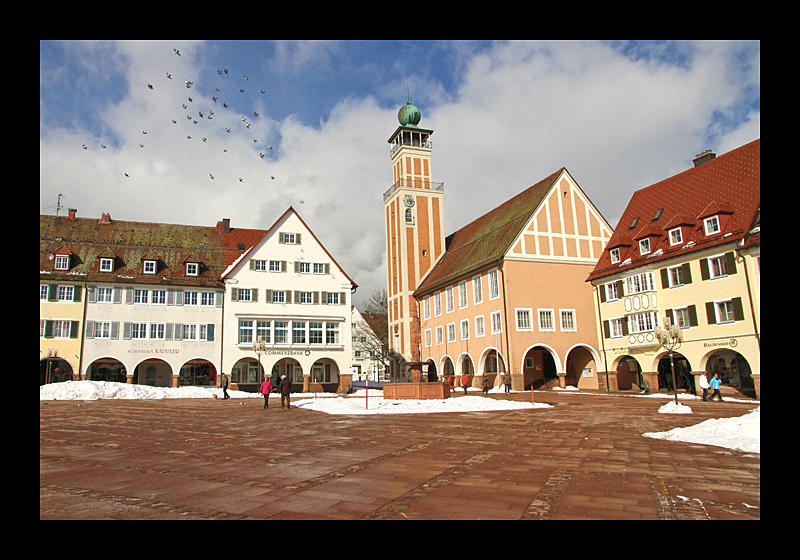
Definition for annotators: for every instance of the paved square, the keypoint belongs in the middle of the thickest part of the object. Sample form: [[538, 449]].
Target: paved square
[[212, 459]]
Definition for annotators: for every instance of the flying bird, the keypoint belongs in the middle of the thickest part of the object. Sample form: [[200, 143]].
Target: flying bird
[[84, 147], [214, 99], [177, 51], [169, 75], [262, 91], [226, 70], [127, 175], [102, 145], [225, 105], [174, 121], [273, 176], [241, 180], [255, 113], [210, 175], [241, 91], [245, 77], [227, 129], [262, 155], [219, 71], [150, 86], [144, 132], [189, 84]]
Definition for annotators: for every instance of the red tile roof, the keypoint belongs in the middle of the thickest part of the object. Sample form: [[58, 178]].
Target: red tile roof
[[729, 185]]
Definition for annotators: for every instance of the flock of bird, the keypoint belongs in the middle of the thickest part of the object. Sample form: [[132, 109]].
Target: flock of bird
[[203, 115]]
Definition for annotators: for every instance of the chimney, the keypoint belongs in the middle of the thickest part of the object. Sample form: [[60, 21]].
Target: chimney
[[72, 212], [105, 218], [703, 157], [226, 225]]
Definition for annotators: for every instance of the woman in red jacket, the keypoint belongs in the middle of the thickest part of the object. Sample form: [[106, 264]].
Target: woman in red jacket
[[266, 389]]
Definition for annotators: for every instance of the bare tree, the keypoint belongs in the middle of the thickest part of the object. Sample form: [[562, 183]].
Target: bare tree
[[374, 336]]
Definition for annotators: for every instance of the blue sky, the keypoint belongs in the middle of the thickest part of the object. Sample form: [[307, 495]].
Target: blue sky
[[620, 115]]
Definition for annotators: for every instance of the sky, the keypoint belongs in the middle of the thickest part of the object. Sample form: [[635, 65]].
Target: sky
[[619, 115]]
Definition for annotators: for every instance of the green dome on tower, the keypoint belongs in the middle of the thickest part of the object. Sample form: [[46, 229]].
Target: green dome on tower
[[409, 115]]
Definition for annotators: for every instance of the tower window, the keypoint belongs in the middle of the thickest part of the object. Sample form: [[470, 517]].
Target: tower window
[[409, 216]]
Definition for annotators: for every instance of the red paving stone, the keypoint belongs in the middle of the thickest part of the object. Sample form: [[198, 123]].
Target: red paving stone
[[207, 459]]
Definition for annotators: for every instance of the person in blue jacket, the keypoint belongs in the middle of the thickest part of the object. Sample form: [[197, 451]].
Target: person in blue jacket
[[715, 383]]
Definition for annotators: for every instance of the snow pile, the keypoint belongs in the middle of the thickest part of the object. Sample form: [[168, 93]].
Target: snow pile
[[96, 390], [742, 433], [379, 405], [674, 408]]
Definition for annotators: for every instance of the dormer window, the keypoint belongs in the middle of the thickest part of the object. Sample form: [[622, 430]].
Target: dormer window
[[192, 268], [106, 265], [62, 262], [614, 255], [149, 267], [675, 236], [711, 225], [289, 238], [644, 246]]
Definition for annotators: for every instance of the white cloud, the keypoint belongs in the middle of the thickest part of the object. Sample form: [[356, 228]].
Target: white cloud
[[519, 112]]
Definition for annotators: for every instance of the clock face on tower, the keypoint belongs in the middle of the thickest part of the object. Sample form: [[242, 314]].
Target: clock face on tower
[[408, 200]]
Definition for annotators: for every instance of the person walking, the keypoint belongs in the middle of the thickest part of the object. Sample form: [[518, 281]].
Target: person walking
[[485, 384], [715, 384], [704, 385], [507, 381], [285, 387], [225, 387], [464, 382], [265, 389]]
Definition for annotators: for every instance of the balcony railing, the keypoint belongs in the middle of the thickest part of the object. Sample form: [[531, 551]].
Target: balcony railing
[[409, 183]]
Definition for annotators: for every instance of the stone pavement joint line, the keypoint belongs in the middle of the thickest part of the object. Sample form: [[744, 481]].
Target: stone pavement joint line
[[399, 505], [546, 500]]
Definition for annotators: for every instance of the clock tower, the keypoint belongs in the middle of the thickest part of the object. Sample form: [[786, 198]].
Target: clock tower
[[414, 231]]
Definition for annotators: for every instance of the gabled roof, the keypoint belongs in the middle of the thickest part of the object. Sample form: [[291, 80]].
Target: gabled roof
[[729, 186], [487, 239], [231, 266]]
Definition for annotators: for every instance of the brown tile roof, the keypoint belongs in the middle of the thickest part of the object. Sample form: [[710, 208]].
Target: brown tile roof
[[130, 243], [488, 238], [729, 185]]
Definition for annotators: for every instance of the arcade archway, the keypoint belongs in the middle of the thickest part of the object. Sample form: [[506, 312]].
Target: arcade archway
[[54, 370], [107, 369]]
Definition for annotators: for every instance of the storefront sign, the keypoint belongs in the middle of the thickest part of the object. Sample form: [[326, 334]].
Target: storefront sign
[[732, 343], [153, 351]]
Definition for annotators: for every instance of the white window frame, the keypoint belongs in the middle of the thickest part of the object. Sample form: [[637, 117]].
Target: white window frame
[[278, 296], [462, 294], [141, 296], [675, 276], [158, 297], [428, 338], [523, 316], [274, 266], [304, 268], [306, 298], [477, 290], [426, 307], [497, 324], [106, 264], [190, 298], [612, 291], [449, 299], [139, 331], [480, 327], [156, 331], [105, 295], [102, 330], [62, 328], [192, 269], [615, 327], [614, 254], [66, 294], [681, 315], [208, 299], [437, 303], [675, 236], [639, 283], [546, 315], [61, 262], [711, 225], [439, 336], [570, 314], [644, 246], [722, 306], [494, 284], [451, 332], [246, 295], [723, 267], [643, 322], [149, 267], [333, 298], [464, 329], [319, 268]]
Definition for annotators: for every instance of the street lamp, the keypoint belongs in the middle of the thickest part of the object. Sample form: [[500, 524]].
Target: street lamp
[[259, 347], [670, 338]]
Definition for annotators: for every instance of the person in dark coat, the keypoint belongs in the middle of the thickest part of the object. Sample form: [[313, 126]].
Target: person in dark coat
[[285, 387], [225, 386]]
